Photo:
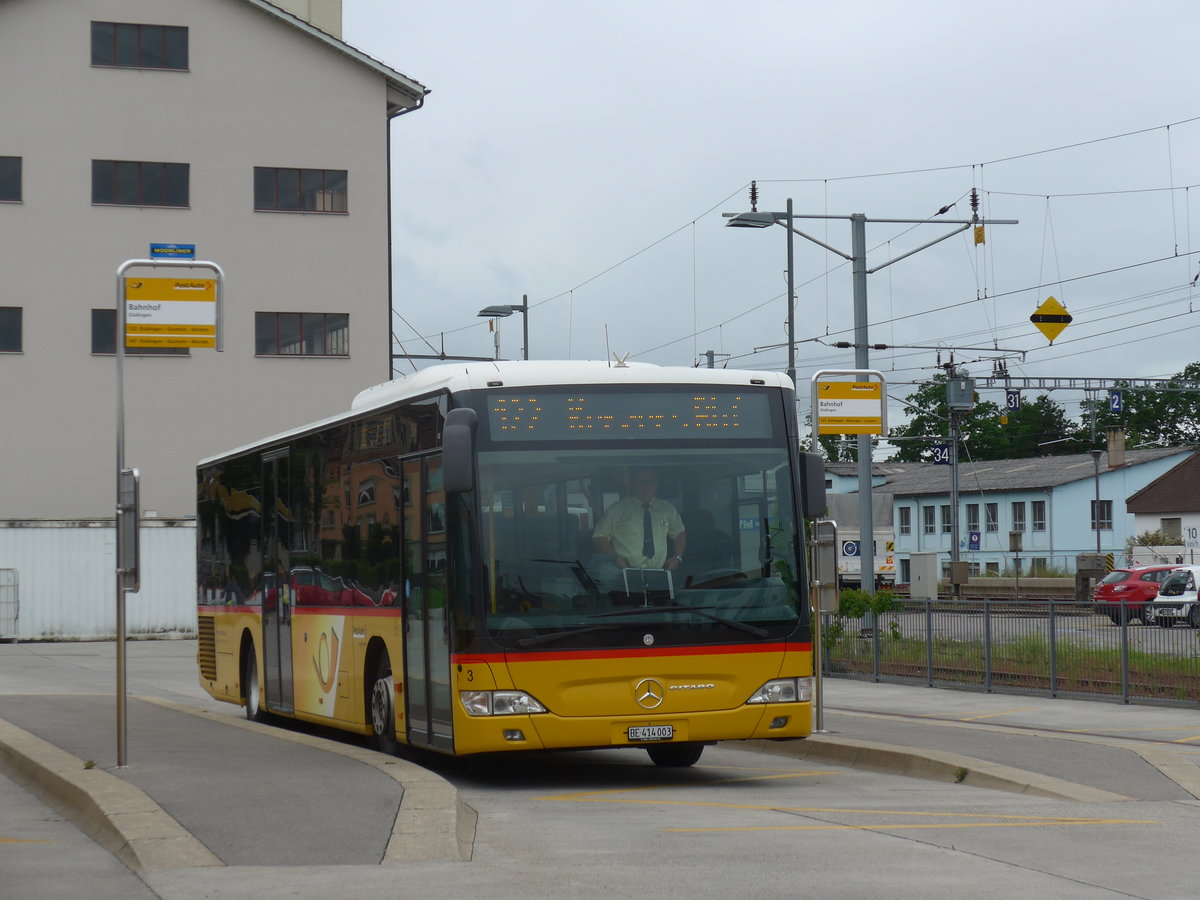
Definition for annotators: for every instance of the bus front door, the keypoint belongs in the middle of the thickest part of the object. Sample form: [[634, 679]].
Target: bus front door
[[428, 715], [278, 599]]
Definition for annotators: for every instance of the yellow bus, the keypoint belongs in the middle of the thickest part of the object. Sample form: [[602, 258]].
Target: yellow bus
[[511, 556]]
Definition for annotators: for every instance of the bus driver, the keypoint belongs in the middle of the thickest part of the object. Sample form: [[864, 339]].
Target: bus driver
[[641, 531]]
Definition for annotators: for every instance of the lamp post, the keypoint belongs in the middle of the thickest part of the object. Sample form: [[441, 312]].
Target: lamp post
[[1096, 508], [755, 219], [503, 311], [858, 262]]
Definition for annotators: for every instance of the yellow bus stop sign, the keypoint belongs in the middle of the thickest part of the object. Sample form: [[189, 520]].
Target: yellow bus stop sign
[[1051, 318]]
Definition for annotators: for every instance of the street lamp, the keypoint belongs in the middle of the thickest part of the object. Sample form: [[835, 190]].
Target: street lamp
[[755, 219], [857, 257], [1096, 508], [503, 311]]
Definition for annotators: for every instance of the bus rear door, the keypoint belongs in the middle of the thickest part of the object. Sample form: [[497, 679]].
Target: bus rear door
[[277, 588]]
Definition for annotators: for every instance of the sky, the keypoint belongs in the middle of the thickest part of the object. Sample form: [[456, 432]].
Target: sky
[[582, 154]]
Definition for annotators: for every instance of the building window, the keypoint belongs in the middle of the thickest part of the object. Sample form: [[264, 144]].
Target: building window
[[1018, 516], [1105, 519], [366, 493], [301, 334], [10, 178], [139, 183], [10, 329], [991, 512], [300, 190], [947, 520], [929, 521], [104, 338], [972, 517], [139, 46], [905, 520], [1172, 529], [1038, 509], [992, 568]]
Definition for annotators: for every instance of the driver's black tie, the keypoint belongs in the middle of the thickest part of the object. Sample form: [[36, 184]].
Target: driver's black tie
[[647, 533]]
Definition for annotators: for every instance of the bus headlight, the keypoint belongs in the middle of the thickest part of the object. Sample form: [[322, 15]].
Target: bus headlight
[[784, 690], [499, 703]]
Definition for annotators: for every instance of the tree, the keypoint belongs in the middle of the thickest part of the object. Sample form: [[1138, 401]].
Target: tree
[[1036, 429], [1166, 418]]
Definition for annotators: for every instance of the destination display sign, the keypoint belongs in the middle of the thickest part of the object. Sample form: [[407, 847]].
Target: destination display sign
[[584, 414]]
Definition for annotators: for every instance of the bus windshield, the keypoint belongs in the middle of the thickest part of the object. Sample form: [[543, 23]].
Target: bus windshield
[[581, 550]]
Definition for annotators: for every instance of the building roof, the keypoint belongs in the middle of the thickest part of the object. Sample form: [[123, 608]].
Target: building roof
[[404, 93], [1001, 474], [1175, 491]]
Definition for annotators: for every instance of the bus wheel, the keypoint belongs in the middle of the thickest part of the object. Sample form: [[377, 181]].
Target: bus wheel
[[675, 755], [383, 709], [250, 686]]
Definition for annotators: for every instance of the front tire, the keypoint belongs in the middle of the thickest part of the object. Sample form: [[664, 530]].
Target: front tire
[[676, 756], [254, 711], [383, 708], [1194, 616]]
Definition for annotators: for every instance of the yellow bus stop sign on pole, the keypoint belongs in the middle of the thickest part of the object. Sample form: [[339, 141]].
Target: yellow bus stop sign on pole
[[1051, 318], [849, 407], [170, 312]]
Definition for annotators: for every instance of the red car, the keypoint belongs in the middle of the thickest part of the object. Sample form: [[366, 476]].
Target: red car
[[1128, 590]]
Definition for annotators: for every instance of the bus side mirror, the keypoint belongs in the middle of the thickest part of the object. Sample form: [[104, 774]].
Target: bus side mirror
[[812, 485], [458, 451]]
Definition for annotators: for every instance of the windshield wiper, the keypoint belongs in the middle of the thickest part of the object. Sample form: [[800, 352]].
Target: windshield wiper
[[559, 635], [698, 610]]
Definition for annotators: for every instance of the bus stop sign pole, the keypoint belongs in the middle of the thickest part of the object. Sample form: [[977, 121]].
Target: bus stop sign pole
[[127, 512]]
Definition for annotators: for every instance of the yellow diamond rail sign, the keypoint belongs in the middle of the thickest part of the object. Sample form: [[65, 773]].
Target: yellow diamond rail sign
[[170, 312], [1051, 318]]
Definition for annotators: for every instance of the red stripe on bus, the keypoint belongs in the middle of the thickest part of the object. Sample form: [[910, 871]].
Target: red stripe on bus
[[628, 653], [350, 611]]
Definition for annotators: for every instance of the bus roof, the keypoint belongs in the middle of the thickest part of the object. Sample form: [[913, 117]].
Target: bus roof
[[457, 377]]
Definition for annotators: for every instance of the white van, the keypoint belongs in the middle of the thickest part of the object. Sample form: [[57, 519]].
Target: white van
[[1177, 599]]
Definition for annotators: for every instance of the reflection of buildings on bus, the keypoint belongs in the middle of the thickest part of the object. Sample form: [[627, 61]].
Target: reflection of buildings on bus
[[338, 507], [297, 342]]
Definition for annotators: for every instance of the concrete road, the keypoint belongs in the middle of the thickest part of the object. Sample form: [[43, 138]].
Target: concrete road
[[1110, 806]]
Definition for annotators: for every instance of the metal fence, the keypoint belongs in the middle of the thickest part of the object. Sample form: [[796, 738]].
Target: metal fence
[[10, 603], [1051, 647]]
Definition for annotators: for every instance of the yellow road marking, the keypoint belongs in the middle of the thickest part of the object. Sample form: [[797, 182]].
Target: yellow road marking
[[954, 819], [993, 715], [911, 826]]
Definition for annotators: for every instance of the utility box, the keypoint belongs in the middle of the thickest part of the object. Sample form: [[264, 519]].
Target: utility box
[[960, 572], [923, 576], [960, 394], [1089, 568]]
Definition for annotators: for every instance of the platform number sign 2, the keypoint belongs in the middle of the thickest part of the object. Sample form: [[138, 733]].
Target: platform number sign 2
[[941, 454], [1116, 401]]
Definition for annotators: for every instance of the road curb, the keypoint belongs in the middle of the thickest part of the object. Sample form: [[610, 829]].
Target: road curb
[[115, 814], [933, 765], [432, 824]]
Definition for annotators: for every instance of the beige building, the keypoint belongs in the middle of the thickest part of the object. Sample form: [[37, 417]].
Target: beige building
[[245, 128]]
